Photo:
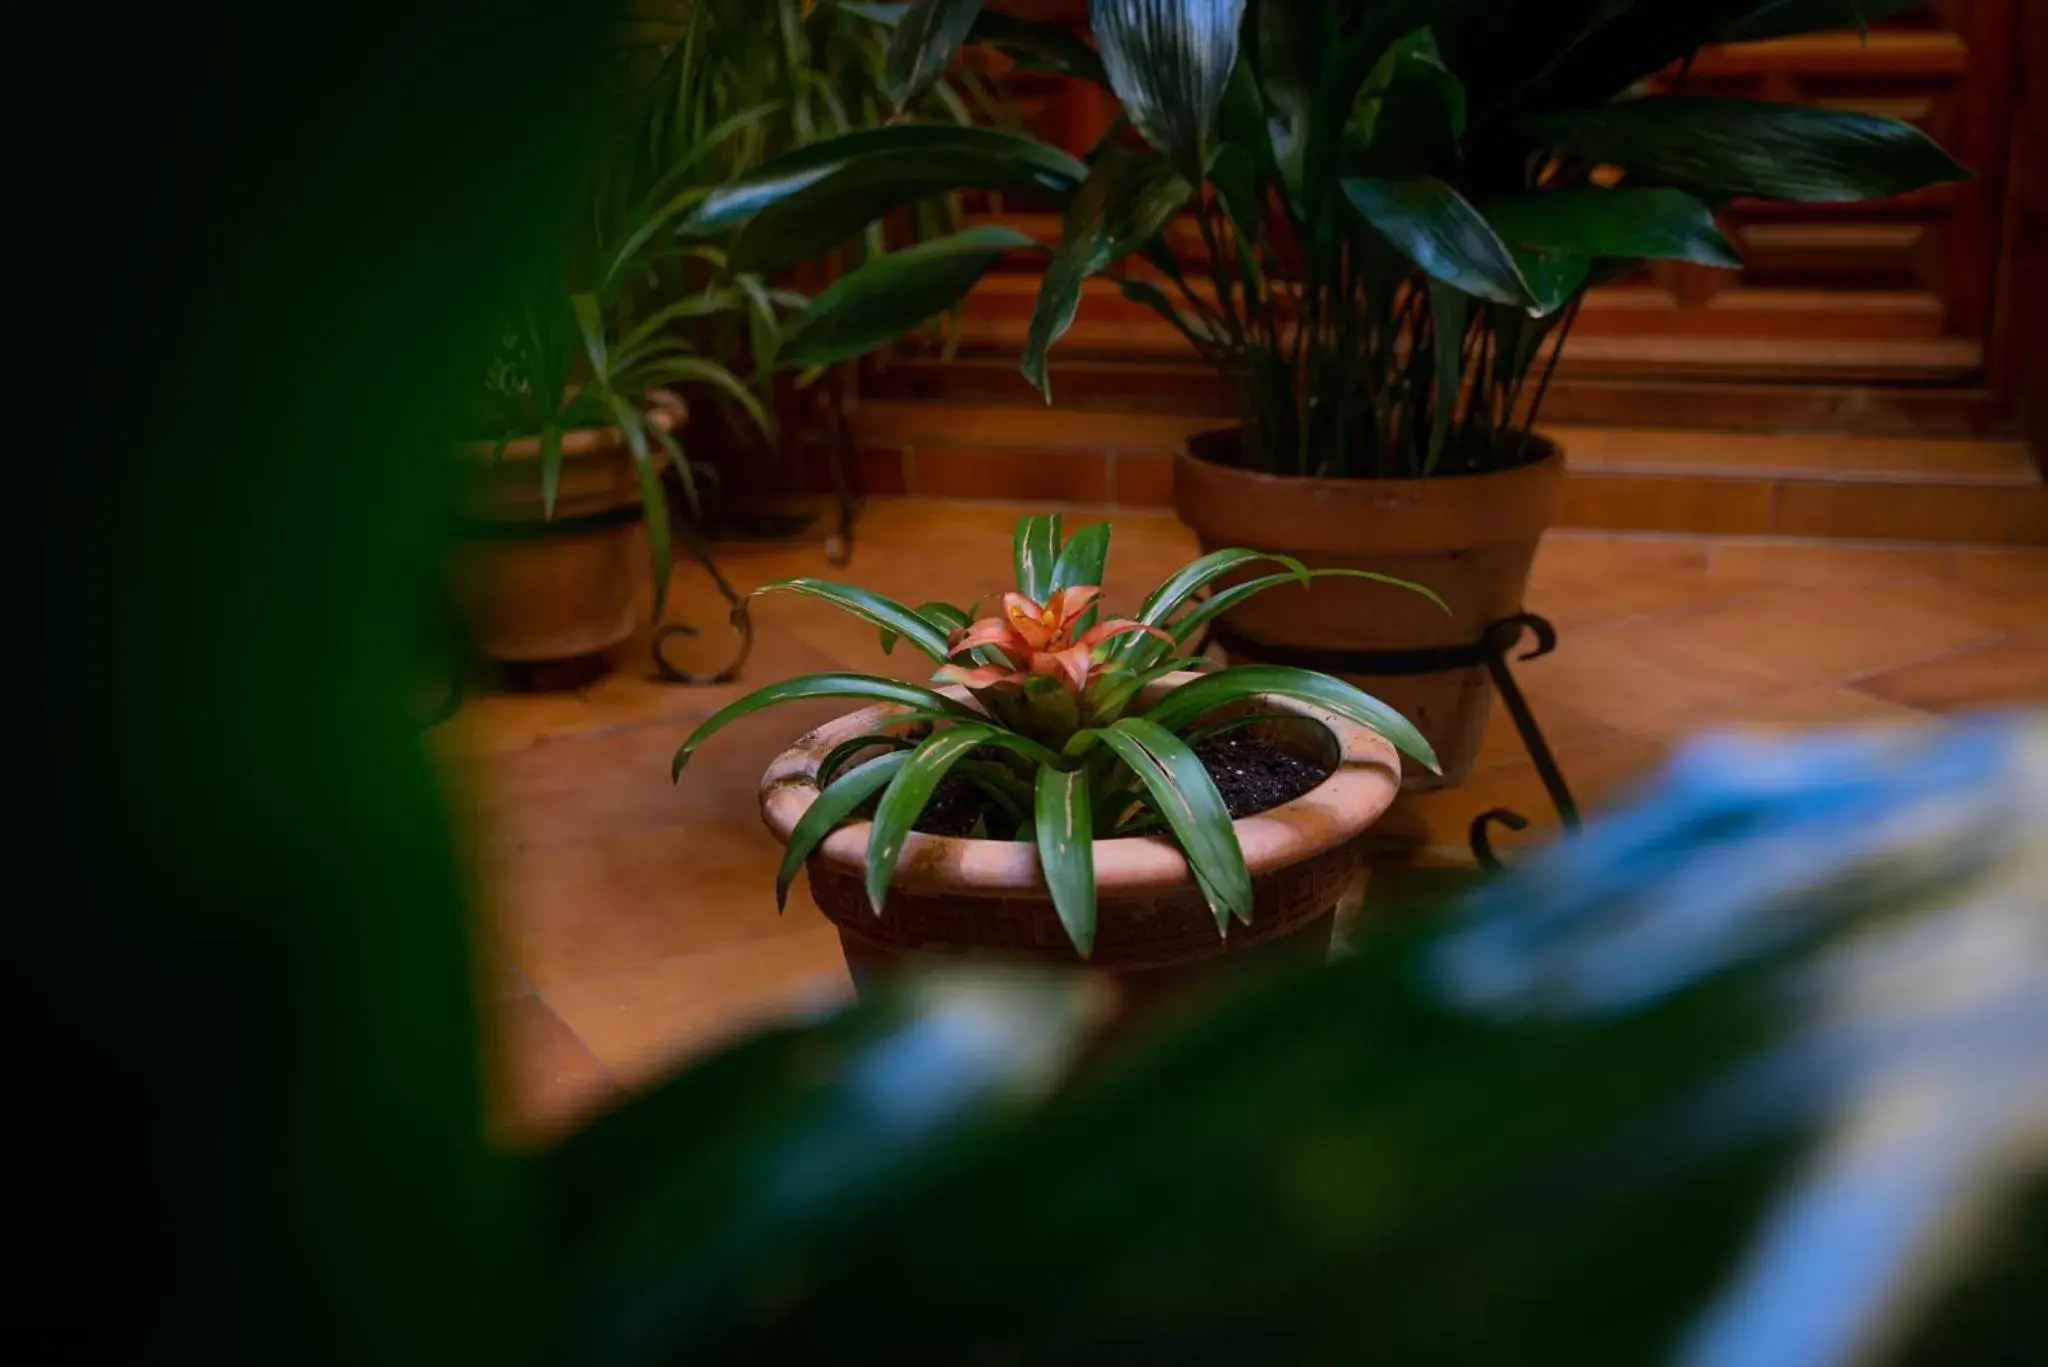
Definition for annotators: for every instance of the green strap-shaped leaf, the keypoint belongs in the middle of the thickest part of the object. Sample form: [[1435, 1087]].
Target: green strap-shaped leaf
[[1168, 62], [1291, 43], [1198, 697], [835, 803], [695, 370], [944, 616], [1433, 226], [1065, 829], [817, 195], [905, 799], [1221, 602], [1184, 794], [1081, 562], [1000, 785], [890, 295], [846, 202], [874, 607], [1109, 704], [1191, 578], [1036, 546], [550, 467], [1725, 148], [925, 40], [1648, 224], [1122, 205], [1553, 277], [839, 755], [654, 503], [871, 687], [1449, 311]]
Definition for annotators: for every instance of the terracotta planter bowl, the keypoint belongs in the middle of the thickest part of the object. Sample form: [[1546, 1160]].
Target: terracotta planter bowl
[[955, 897], [1471, 538], [534, 589]]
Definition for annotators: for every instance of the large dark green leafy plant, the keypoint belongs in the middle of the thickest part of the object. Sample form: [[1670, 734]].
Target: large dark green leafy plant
[[653, 290], [1061, 738], [1400, 202]]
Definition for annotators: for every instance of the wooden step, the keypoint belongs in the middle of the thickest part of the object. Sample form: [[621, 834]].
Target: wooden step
[[1912, 489], [1581, 393], [1898, 339]]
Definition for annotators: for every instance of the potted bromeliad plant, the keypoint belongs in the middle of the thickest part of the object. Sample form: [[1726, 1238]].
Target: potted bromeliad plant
[[1074, 786], [563, 494], [1399, 206]]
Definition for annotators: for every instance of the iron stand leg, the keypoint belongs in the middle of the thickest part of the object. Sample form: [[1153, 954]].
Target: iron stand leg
[[665, 670], [1499, 640]]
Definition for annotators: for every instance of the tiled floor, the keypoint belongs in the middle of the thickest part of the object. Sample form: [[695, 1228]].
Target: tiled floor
[[630, 922]]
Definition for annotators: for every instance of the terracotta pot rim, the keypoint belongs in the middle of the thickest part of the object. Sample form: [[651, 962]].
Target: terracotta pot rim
[[665, 410], [1542, 467], [1366, 779]]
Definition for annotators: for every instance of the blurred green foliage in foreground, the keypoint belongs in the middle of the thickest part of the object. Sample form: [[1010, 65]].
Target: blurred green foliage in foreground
[[1753, 1073]]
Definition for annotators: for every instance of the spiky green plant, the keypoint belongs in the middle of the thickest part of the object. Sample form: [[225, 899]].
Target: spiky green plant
[[1057, 731]]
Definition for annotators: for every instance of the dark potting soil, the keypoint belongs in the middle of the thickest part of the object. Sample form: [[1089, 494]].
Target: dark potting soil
[[1252, 775]]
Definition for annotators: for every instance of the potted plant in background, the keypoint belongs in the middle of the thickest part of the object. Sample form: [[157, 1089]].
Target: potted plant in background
[[563, 496], [1400, 205], [800, 70], [1075, 791]]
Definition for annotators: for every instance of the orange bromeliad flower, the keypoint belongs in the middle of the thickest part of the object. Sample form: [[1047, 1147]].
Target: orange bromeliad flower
[[1038, 640]]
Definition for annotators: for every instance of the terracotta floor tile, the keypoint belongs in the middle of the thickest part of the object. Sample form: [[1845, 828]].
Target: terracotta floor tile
[[545, 1080], [2006, 574], [604, 906], [2001, 610], [1583, 578], [1821, 706], [2009, 672], [1644, 679], [1811, 635], [644, 1022], [1593, 772], [1564, 726], [492, 723], [1813, 562]]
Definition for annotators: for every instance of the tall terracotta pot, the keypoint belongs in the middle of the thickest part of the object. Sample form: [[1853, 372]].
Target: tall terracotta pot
[[532, 588], [1471, 538], [954, 898]]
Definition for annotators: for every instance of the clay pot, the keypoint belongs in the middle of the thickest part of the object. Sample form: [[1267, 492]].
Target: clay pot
[[534, 589], [1471, 538], [986, 898]]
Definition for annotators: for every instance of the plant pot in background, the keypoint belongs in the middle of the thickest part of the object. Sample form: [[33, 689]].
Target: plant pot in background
[[533, 589], [1471, 538], [1155, 934]]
